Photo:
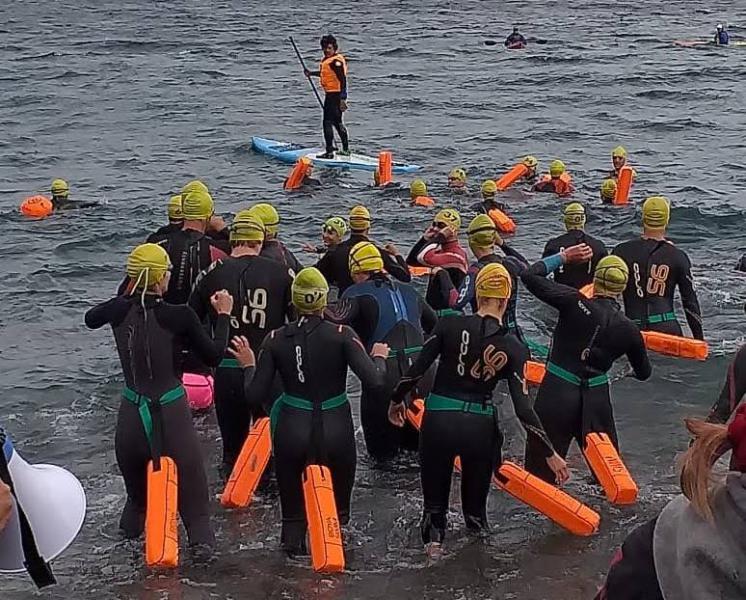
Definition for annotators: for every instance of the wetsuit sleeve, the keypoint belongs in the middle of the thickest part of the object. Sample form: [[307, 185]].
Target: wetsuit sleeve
[[344, 312], [415, 251], [209, 350], [396, 267], [555, 294], [522, 401], [112, 311], [733, 390], [258, 382], [513, 253], [198, 299], [437, 257], [428, 317], [339, 71], [370, 371], [458, 299], [689, 299], [430, 351], [638, 356], [445, 290]]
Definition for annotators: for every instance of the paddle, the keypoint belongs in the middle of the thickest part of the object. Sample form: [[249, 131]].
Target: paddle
[[499, 43], [303, 64]]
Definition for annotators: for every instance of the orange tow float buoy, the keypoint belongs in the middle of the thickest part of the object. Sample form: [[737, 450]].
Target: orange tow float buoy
[[502, 221], [608, 467], [511, 177], [534, 372], [417, 271], [674, 345], [161, 521], [587, 290], [385, 168], [624, 185], [37, 207], [302, 169], [249, 467], [324, 531], [415, 412]]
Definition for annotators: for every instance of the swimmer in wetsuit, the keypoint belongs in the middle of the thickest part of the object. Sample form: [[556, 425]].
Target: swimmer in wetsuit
[[380, 309], [515, 40], [334, 265], [608, 191], [151, 336], [260, 288], [272, 247], [175, 221], [457, 181], [590, 335], [312, 421], [439, 247], [418, 194], [489, 198], [532, 164], [656, 268], [333, 232], [476, 352], [557, 181], [483, 237], [60, 191], [575, 275]]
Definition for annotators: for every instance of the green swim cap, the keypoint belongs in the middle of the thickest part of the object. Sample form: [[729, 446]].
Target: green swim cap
[[619, 152], [417, 188], [147, 265], [482, 232], [489, 188], [337, 225], [656, 212], [60, 188], [450, 217], [246, 228], [608, 189], [195, 185], [458, 174], [530, 161], [309, 290], [268, 215], [175, 212], [610, 277], [197, 205], [574, 216], [556, 168]]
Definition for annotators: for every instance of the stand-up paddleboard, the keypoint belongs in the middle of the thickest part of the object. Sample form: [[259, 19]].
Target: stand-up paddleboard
[[710, 43], [290, 153]]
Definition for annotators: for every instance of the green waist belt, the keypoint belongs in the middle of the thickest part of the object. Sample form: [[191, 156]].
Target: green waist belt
[[302, 404], [447, 312], [435, 402], [405, 351], [659, 318], [143, 404], [574, 379], [540, 350], [229, 363]]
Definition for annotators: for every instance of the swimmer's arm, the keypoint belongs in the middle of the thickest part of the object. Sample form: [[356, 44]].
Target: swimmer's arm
[[209, 350], [689, 300], [258, 381], [514, 254], [396, 267], [638, 356], [415, 251], [733, 390], [344, 312], [460, 298], [112, 311], [428, 317], [555, 294], [370, 371], [430, 351], [197, 300]]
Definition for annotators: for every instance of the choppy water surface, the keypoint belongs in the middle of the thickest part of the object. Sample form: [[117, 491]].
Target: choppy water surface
[[129, 100]]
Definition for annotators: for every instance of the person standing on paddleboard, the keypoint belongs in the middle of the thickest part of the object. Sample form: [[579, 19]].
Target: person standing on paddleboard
[[515, 40], [333, 74]]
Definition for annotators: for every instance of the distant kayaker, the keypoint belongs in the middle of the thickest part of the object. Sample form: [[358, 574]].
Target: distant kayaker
[[333, 74], [721, 35], [515, 40]]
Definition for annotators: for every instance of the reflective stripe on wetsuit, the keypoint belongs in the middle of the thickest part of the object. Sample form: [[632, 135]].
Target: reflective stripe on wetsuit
[[302, 404], [565, 375], [143, 404], [436, 402]]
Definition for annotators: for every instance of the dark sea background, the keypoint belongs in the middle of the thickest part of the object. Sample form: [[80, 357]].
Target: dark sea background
[[129, 100]]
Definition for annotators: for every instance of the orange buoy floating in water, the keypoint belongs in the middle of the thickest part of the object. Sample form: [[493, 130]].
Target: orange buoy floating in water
[[502, 221], [511, 177], [608, 467], [302, 169], [534, 372], [161, 524], [250, 465], [587, 290], [674, 345], [37, 207], [385, 168], [624, 185], [324, 531]]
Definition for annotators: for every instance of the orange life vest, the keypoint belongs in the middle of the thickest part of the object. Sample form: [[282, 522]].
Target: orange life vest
[[329, 80], [562, 185]]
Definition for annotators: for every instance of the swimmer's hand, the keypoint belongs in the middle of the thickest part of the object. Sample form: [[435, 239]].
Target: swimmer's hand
[[222, 302], [559, 468], [216, 224], [397, 414], [380, 350], [391, 249], [241, 350], [580, 253]]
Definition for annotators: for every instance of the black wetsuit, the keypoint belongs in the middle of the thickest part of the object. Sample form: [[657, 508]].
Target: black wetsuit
[[261, 303], [312, 421], [464, 296], [382, 310], [150, 346], [590, 335], [277, 251], [734, 389], [449, 256], [62, 203], [515, 39], [334, 265], [476, 353], [741, 266], [656, 267], [581, 274], [162, 233]]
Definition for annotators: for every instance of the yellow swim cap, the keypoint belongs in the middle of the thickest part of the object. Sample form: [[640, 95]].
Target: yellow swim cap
[[365, 258], [619, 152], [482, 232], [493, 281], [309, 290], [574, 216], [337, 225], [556, 168], [489, 188], [268, 215], [608, 189], [458, 174], [530, 162], [197, 205], [359, 218], [417, 188], [246, 227], [60, 188], [175, 212], [656, 212], [147, 265], [450, 217], [610, 277], [195, 185]]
